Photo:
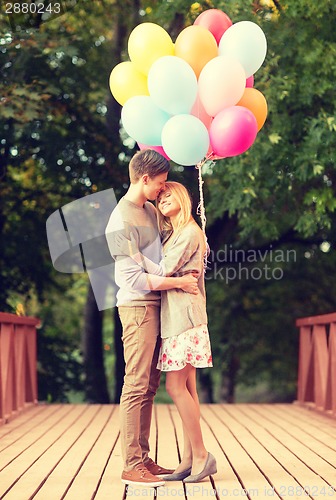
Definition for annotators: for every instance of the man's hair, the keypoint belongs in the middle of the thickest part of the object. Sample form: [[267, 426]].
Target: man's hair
[[148, 162], [182, 196]]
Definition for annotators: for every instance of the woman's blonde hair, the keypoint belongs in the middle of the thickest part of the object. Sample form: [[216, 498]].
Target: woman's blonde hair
[[183, 198]]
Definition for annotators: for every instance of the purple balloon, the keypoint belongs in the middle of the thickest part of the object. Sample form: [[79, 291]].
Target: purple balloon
[[233, 131]]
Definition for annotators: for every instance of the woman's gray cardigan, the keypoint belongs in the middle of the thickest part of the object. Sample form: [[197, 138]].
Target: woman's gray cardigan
[[183, 253]]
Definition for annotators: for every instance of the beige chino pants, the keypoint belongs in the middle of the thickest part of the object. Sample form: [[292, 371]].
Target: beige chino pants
[[141, 340]]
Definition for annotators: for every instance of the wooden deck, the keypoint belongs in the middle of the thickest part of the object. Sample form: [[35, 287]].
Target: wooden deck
[[73, 452]]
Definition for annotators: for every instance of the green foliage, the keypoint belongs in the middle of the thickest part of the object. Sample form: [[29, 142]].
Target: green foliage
[[55, 145]]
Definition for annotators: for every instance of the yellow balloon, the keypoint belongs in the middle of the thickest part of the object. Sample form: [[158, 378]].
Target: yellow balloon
[[126, 82], [146, 43], [196, 45]]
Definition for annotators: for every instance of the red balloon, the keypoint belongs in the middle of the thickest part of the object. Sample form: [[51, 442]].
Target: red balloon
[[214, 20], [158, 149]]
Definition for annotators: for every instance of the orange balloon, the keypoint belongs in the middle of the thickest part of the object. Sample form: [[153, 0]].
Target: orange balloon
[[197, 46], [255, 101]]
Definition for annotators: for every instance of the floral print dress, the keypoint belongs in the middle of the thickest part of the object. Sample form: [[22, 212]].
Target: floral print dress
[[192, 346]]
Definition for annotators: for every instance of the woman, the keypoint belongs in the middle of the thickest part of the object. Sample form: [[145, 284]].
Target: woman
[[185, 338]]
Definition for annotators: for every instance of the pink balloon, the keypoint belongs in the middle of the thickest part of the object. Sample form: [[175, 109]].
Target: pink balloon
[[250, 82], [158, 149], [233, 131], [214, 20], [199, 111]]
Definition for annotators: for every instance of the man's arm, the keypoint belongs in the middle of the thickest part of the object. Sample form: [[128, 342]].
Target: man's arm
[[135, 278]]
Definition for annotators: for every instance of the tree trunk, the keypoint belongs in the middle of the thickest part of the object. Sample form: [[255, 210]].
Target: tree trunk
[[232, 377], [205, 387], [229, 378], [95, 380]]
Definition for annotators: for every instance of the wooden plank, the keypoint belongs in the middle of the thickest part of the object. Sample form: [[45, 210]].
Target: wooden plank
[[294, 457], [320, 439], [60, 464], [26, 420], [301, 436], [309, 413], [110, 481], [15, 462], [193, 490], [166, 453], [17, 439], [78, 473], [167, 448], [252, 482], [226, 482], [37, 473]]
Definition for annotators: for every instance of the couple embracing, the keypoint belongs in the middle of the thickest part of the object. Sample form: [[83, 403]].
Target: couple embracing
[[159, 269]]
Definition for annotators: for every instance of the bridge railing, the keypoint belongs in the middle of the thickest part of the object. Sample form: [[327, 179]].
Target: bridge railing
[[317, 362], [18, 369]]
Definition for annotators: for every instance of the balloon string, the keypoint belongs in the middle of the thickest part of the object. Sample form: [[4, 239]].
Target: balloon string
[[201, 210]]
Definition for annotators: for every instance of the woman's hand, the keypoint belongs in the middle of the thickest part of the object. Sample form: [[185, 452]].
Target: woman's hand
[[126, 246], [189, 284]]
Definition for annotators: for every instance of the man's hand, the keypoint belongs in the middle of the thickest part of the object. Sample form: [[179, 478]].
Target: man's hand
[[188, 283]]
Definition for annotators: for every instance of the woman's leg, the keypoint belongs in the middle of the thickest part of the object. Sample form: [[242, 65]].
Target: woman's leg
[[186, 460], [181, 386]]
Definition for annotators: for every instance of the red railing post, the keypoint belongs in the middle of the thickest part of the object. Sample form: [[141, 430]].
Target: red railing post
[[331, 379], [317, 362], [304, 376], [18, 363]]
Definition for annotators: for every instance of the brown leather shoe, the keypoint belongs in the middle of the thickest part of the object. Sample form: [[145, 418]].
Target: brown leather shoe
[[140, 476], [156, 469]]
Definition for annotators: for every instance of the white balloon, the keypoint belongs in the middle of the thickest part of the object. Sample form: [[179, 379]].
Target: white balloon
[[221, 84], [143, 120], [246, 42], [172, 85], [185, 139]]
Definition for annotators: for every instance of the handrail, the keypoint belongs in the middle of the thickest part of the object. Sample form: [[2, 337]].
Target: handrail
[[317, 362], [18, 373]]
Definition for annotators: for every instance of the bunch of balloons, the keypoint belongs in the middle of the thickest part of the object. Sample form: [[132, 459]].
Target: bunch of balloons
[[193, 99]]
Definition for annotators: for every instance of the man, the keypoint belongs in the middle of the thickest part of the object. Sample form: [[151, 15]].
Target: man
[[138, 302]]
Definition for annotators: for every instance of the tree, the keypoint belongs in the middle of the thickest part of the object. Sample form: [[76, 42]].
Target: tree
[[60, 140]]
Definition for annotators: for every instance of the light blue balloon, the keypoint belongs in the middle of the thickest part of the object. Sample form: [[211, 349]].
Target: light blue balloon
[[185, 139], [143, 120], [246, 42], [172, 84]]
